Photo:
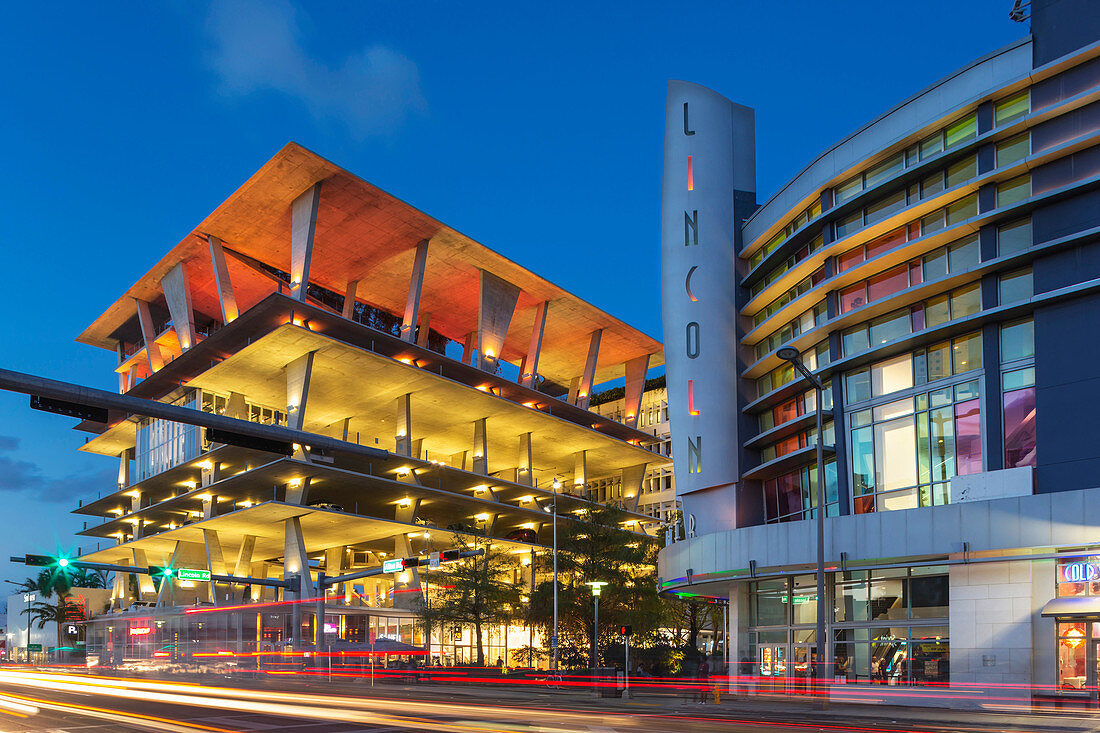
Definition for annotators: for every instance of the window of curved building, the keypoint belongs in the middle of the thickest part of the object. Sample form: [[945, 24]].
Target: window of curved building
[[1014, 191], [803, 287], [1014, 237], [961, 210], [793, 496], [809, 320], [814, 359], [1013, 150], [1011, 108], [1013, 287], [803, 218], [938, 361], [905, 451]]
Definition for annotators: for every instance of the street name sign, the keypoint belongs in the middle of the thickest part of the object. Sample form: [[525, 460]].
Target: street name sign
[[192, 574]]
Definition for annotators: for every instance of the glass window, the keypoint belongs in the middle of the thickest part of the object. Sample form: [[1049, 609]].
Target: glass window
[[962, 210], [963, 130], [849, 259], [849, 224], [1015, 286], [804, 599], [848, 190], [943, 443], [966, 353], [937, 310], [853, 297], [962, 171], [854, 340], [932, 185], [884, 170], [1014, 237], [892, 375], [1014, 191], [887, 283], [1011, 108], [851, 595], [882, 210], [1017, 340], [890, 327], [939, 361], [964, 254], [1018, 378], [928, 596], [935, 264], [857, 386], [1014, 149], [1072, 652], [1019, 418], [966, 301], [931, 146], [771, 598], [895, 454], [885, 243], [932, 223], [968, 437]]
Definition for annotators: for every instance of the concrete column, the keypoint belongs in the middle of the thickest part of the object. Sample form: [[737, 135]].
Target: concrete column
[[406, 511], [243, 565], [297, 490], [530, 370], [497, 303], [145, 583], [403, 428], [177, 293], [124, 475], [210, 474], [423, 329], [335, 565], [222, 283], [149, 335], [574, 389], [403, 548], [481, 448], [349, 299], [584, 393], [215, 560], [580, 470], [524, 470], [416, 284], [236, 407], [468, 347], [120, 590], [298, 374], [635, 385], [632, 477], [296, 563], [303, 227]]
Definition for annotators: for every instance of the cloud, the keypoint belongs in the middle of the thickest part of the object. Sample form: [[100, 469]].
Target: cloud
[[26, 478], [257, 47]]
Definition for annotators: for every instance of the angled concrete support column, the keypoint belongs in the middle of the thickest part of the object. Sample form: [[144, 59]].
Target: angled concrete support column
[[530, 370], [406, 510], [177, 293], [124, 459], [349, 299], [210, 474], [580, 470], [481, 449], [236, 407], [632, 477], [468, 346], [416, 284], [423, 329], [302, 229], [635, 385], [403, 548], [298, 374], [146, 589], [222, 283], [215, 560], [497, 303], [524, 470], [297, 490], [574, 389], [261, 592], [149, 336], [296, 563], [403, 427], [584, 393], [243, 565], [335, 565]]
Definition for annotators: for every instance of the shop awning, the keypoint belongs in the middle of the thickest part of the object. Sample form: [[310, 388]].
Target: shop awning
[[1077, 606]]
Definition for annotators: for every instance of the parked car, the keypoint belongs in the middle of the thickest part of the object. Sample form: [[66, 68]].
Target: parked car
[[523, 535], [327, 505]]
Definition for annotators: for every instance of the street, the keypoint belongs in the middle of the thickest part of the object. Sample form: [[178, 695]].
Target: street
[[41, 701]]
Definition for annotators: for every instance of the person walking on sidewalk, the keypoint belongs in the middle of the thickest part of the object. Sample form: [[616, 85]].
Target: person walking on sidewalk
[[704, 680]]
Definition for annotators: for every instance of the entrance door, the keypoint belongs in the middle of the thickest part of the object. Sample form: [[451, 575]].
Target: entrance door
[[802, 664], [771, 666]]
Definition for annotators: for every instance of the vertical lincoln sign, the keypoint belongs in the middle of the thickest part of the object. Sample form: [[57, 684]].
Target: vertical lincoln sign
[[709, 158]]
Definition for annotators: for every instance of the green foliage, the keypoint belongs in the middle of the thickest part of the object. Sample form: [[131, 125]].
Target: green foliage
[[476, 591], [41, 613], [594, 547], [529, 656]]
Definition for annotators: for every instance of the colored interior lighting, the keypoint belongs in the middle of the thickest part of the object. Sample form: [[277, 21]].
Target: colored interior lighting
[[691, 398], [691, 175]]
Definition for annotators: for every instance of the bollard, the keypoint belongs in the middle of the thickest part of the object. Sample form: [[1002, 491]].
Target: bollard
[[717, 695]]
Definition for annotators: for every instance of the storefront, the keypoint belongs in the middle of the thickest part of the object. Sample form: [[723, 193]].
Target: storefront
[[1076, 611]]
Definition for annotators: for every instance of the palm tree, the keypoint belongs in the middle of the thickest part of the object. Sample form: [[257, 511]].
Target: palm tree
[[41, 613], [30, 585]]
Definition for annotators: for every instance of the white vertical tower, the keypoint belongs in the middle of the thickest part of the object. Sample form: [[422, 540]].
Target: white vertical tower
[[708, 189]]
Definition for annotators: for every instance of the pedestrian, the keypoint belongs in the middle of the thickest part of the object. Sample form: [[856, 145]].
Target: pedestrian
[[704, 677], [500, 663]]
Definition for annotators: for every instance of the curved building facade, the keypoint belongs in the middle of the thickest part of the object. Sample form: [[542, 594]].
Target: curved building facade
[[939, 272]]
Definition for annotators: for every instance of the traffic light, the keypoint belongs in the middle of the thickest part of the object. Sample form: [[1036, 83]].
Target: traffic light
[[449, 555], [625, 630], [162, 572], [410, 562], [39, 561]]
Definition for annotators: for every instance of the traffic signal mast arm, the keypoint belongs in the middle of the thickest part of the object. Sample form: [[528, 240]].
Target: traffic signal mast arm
[[408, 562], [47, 561]]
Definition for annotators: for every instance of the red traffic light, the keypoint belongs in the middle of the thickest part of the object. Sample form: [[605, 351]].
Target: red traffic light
[[625, 630], [449, 555], [410, 562]]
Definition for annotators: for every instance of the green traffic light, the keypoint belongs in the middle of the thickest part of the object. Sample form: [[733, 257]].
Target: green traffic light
[[62, 562]]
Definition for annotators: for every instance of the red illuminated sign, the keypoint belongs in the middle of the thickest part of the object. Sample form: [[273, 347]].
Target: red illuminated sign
[[140, 630]]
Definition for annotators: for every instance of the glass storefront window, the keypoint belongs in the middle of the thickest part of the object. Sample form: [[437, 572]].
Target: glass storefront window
[[770, 603], [1072, 651], [1078, 576]]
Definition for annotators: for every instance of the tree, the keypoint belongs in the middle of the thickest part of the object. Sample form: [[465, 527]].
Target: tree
[[593, 546], [42, 612], [476, 591]]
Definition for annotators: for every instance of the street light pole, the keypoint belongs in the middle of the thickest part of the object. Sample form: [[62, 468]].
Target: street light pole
[[791, 354], [596, 585], [554, 637]]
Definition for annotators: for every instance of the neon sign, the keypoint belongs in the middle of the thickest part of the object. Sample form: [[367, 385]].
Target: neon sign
[[140, 630], [1079, 572]]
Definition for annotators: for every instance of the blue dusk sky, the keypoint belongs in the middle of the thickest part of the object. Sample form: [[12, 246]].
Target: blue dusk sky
[[534, 128]]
